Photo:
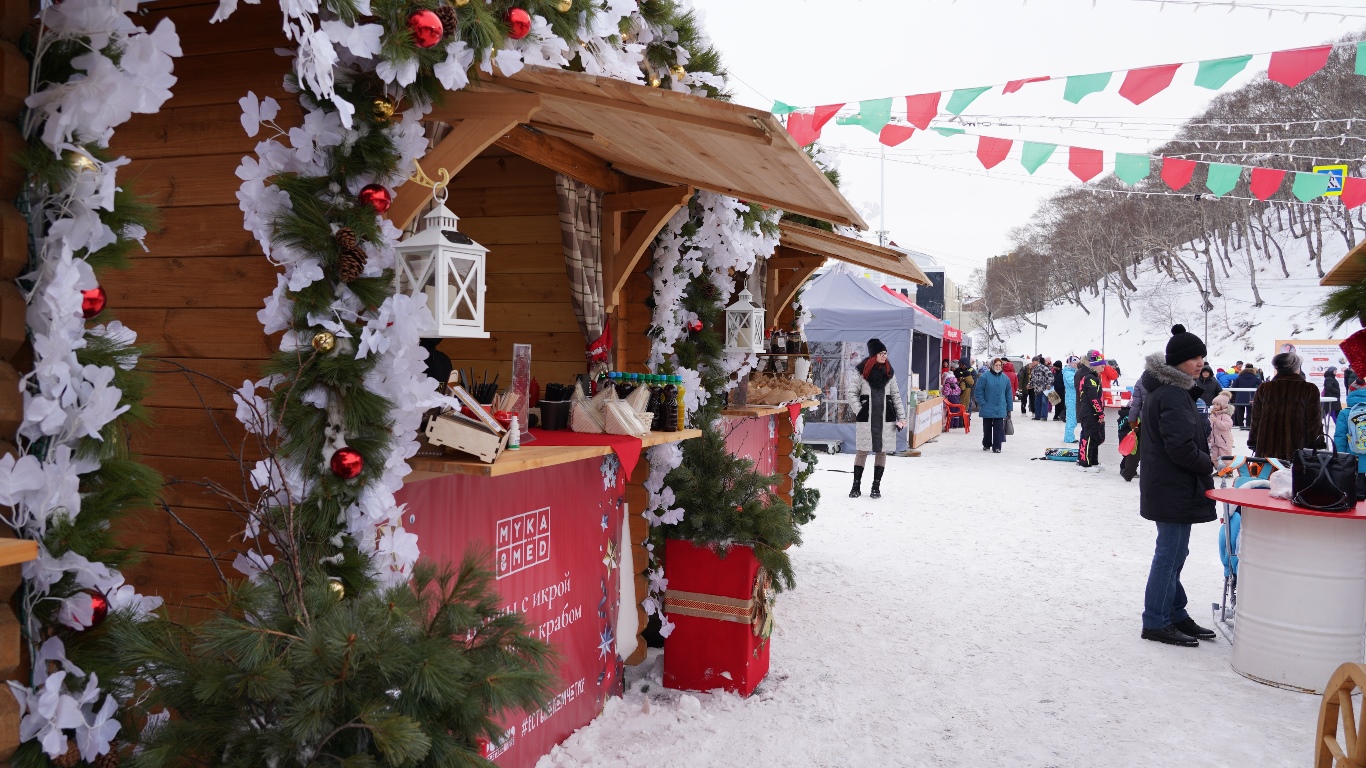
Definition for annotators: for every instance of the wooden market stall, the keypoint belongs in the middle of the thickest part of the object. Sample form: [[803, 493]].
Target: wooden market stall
[[515, 148], [1350, 270]]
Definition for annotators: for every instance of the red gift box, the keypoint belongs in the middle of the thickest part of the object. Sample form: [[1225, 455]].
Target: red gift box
[[720, 611]]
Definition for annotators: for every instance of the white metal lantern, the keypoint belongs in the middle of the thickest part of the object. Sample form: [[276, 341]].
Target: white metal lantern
[[445, 269], [744, 325]]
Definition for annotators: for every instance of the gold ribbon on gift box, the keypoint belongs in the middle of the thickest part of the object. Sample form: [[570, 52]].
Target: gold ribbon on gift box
[[757, 611]]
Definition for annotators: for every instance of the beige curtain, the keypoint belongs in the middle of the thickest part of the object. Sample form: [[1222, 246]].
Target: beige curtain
[[581, 233]]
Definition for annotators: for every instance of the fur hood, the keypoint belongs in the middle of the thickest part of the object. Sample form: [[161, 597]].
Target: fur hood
[[1165, 374]]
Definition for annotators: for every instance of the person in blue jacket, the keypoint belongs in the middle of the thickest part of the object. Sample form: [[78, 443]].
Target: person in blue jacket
[[1344, 432], [1069, 377], [1224, 378], [995, 399]]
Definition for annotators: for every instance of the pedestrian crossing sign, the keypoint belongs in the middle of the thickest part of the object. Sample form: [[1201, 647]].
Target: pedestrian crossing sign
[[1336, 173]]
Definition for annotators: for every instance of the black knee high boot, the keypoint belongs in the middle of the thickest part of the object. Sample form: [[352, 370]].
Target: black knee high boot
[[858, 479], [876, 491]]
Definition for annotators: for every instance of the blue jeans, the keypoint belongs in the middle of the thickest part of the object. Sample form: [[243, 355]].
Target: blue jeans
[[1164, 601], [1041, 405]]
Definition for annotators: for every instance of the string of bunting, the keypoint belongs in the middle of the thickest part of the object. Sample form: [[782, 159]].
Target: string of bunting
[[1289, 67], [1176, 172]]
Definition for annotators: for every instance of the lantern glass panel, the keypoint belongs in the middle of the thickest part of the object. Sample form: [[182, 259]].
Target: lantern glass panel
[[417, 276], [462, 289]]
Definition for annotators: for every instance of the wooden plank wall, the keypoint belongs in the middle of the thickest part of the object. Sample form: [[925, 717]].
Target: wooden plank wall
[[195, 294], [507, 204]]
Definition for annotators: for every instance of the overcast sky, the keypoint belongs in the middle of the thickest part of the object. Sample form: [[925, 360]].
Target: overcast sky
[[939, 199]]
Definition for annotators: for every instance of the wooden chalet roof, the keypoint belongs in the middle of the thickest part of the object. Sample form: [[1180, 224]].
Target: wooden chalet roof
[[677, 138], [1351, 270], [800, 237]]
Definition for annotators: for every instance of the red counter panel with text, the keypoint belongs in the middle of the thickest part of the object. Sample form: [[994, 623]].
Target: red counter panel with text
[[554, 534], [754, 437]]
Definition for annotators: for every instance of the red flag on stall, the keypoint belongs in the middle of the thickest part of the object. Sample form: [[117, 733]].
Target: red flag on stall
[[1265, 182], [921, 109], [992, 151], [801, 126], [1015, 85], [1143, 84], [1085, 164], [892, 135], [1293, 67], [823, 115], [1177, 171], [1353, 191]]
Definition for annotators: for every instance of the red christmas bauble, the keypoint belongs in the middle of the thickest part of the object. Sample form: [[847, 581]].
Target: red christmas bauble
[[99, 607], [519, 22], [426, 28], [377, 197], [695, 326], [93, 301], [347, 463]]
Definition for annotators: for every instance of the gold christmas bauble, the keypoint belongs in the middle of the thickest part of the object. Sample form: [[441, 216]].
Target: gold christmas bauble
[[338, 588], [564, 6], [654, 80], [383, 109], [678, 72], [82, 163], [460, 3], [324, 341]]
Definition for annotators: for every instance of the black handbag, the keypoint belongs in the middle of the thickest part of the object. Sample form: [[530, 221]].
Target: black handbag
[[1010, 425], [1325, 482]]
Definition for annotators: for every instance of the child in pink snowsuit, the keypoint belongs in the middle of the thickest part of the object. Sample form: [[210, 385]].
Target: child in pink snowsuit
[[1221, 426]]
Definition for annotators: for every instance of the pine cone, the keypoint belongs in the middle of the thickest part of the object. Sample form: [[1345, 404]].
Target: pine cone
[[109, 759], [69, 758], [449, 19], [352, 264], [345, 237]]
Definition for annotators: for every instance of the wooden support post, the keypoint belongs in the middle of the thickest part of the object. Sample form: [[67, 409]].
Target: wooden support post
[[622, 252], [484, 118], [639, 531]]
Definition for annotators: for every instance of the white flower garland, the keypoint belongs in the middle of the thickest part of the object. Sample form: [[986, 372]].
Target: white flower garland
[[64, 401], [324, 44]]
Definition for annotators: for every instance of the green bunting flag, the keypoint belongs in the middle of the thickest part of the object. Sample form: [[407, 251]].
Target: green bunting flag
[[1081, 86], [943, 131], [1132, 169], [1213, 74], [1035, 154], [962, 97], [1310, 185], [1222, 178], [780, 108], [1361, 58], [873, 115]]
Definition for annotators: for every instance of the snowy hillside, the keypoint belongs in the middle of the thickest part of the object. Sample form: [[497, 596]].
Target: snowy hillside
[[1238, 330]]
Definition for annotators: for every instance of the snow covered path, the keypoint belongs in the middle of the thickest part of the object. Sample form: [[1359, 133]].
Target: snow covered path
[[984, 611]]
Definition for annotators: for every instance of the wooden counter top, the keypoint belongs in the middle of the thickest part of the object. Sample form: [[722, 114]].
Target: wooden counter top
[[767, 410], [526, 458], [15, 551]]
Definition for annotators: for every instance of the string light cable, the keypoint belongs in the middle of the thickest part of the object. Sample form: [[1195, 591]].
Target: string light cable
[[1342, 12]]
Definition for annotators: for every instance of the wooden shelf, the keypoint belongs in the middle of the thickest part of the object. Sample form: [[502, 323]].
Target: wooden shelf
[[15, 551], [767, 410], [782, 354], [527, 458]]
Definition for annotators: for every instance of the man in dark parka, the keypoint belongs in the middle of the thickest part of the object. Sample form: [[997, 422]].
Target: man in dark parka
[[1177, 471]]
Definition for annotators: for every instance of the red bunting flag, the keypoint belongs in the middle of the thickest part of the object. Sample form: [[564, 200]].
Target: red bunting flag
[[921, 109], [801, 126], [992, 151], [1177, 171], [1265, 182], [823, 115], [1293, 67], [1015, 85], [1353, 191], [893, 135], [1143, 84], [1085, 164]]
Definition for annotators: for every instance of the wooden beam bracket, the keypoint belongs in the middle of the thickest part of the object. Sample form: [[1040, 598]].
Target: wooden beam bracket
[[619, 262]]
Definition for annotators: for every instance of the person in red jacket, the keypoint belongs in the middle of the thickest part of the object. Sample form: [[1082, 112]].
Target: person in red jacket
[[1009, 370]]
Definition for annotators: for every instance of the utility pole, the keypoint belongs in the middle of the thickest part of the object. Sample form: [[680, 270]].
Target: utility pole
[[882, 204], [1102, 319]]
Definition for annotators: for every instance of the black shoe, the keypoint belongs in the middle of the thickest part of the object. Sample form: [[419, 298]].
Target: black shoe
[[986, 447], [1187, 626], [858, 481], [1171, 636], [876, 491], [995, 450]]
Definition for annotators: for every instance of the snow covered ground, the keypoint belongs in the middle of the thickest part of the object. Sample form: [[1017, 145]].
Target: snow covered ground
[[984, 612]]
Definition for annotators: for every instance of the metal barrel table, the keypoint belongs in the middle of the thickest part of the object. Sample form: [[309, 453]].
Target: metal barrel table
[[1301, 590]]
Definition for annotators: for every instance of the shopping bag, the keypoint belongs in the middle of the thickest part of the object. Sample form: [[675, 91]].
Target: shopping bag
[[1325, 482]]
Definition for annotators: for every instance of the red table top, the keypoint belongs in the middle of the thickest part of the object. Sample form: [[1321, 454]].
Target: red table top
[[1260, 498]]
